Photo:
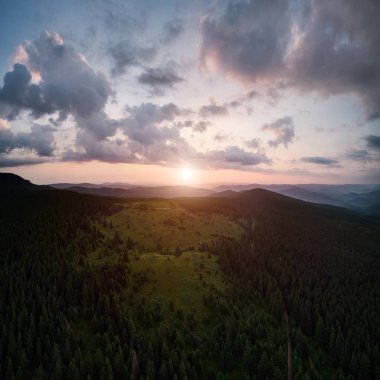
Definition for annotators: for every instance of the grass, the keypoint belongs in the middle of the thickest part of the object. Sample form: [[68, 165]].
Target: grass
[[162, 226], [181, 280], [157, 228]]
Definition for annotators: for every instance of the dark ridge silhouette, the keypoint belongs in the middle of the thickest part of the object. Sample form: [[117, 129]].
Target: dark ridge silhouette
[[10, 179]]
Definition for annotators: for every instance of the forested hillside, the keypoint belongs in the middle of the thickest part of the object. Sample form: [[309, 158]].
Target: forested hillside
[[252, 287], [317, 266]]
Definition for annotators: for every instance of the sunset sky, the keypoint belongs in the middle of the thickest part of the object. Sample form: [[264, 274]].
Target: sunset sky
[[236, 91]]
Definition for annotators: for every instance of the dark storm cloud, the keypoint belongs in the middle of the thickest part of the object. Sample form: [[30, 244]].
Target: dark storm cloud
[[329, 46], [373, 142], [160, 79], [68, 83], [283, 129], [320, 161], [173, 29], [40, 139]]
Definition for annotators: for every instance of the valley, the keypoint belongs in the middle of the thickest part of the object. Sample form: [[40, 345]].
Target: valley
[[253, 286]]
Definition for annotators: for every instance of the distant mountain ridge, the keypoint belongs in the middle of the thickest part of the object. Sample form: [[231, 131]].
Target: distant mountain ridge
[[115, 185], [358, 197], [361, 198], [145, 191]]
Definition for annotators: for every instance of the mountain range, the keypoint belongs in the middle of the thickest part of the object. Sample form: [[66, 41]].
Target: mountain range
[[362, 198]]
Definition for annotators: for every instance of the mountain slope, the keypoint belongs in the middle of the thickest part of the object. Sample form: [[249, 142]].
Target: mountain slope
[[363, 198], [145, 192], [11, 182], [10, 179], [197, 288], [117, 185]]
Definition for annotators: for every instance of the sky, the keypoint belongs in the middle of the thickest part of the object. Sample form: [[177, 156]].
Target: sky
[[196, 92]]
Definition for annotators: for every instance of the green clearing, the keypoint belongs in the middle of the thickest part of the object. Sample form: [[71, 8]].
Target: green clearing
[[167, 248], [162, 226], [181, 280]]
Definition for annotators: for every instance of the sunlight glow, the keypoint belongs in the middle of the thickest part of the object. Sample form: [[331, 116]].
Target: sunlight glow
[[186, 174]]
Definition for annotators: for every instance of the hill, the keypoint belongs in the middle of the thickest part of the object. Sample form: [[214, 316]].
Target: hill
[[117, 185], [195, 287], [144, 191], [13, 180], [362, 198]]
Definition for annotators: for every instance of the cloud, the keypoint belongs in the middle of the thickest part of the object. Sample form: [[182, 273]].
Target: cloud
[[124, 54], [328, 46], [273, 95], [234, 155], [68, 83], [213, 109], [220, 137], [373, 142], [320, 160], [361, 155], [98, 124], [18, 92], [283, 129], [40, 139], [201, 126], [165, 148], [173, 29], [4, 124], [151, 135], [197, 126], [7, 162], [248, 41], [91, 148], [160, 79], [253, 143], [117, 17], [338, 51], [143, 124]]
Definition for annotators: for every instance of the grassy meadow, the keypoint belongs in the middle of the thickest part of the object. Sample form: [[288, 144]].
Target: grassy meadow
[[166, 247]]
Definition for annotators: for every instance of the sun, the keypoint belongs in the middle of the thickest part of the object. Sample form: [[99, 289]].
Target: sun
[[186, 174]]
